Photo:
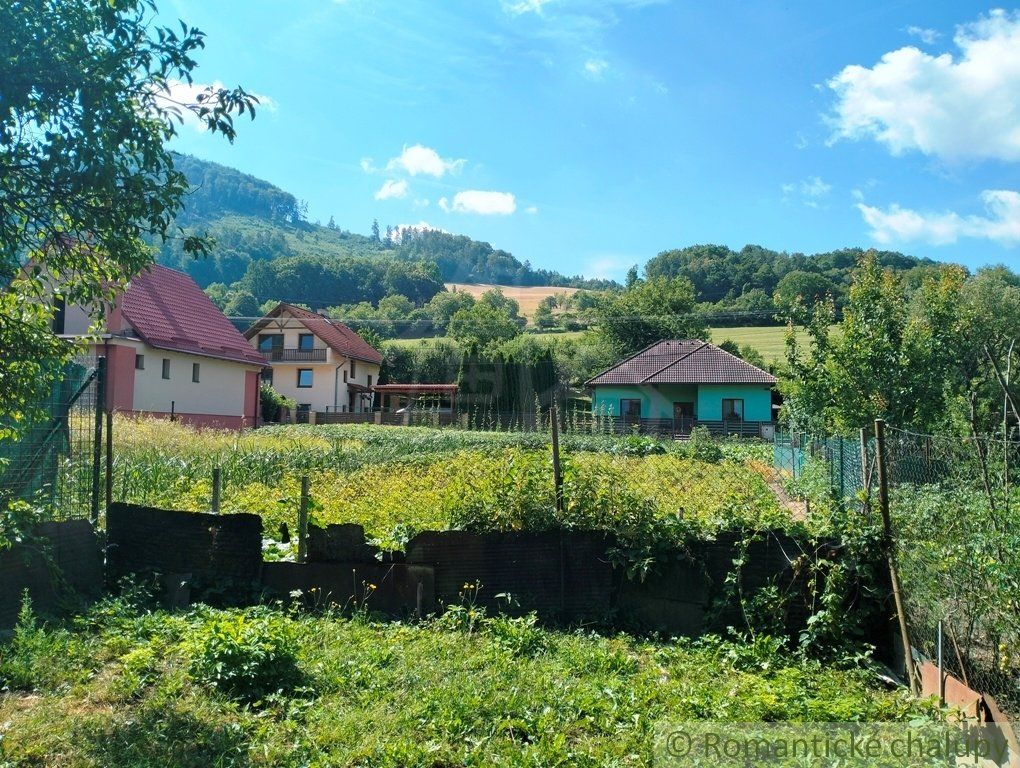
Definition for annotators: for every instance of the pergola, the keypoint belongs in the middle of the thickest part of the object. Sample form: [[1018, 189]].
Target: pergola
[[414, 392]]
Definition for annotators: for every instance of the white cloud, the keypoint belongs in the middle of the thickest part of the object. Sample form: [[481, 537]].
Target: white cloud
[[900, 225], [954, 109], [418, 159], [366, 165], [595, 68], [531, 210], [925, 35], [392, 190], [179, 92], [480, 202], [524, 6], [811, 191]]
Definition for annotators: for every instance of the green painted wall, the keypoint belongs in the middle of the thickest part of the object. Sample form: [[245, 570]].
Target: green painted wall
[[657, 401], [757, 400]]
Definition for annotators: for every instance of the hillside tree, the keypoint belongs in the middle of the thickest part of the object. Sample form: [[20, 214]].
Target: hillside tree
[[649, 311]]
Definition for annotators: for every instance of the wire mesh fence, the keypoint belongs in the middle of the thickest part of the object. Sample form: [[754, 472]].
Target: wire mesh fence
[[840, 462], [954, 509], [55, 464], [955, 530]]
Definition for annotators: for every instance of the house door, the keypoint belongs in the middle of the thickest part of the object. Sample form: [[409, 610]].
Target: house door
[[683, 418]]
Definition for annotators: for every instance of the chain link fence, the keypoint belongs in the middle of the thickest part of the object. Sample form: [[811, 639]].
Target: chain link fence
[[954, 509], [56, 463]]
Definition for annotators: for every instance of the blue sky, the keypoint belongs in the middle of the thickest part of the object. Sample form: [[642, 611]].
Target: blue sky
[[588, 135]]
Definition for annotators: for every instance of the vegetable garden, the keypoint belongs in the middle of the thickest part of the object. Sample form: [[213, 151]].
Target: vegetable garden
[[399, 481]]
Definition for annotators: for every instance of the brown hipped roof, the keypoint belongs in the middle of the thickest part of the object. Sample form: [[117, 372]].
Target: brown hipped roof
[[333, 333], [683, 361], [168, 310]]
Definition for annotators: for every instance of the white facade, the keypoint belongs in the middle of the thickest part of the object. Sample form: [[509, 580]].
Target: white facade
[[329, 372], [220, 388]]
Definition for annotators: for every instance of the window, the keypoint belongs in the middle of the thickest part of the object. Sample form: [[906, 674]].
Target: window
[[732, 410], [305, 341], [267, 375], [370, 380], [354, 368], [304, 378], [345, 375], [139, 362], [59, 315], [194, 372], [166, 368], [270, 341], [630, 408]]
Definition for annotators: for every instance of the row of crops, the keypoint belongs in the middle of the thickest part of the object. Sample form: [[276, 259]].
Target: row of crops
[[398, 481]]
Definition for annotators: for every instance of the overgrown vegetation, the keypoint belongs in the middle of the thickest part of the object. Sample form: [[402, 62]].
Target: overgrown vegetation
[[127, 685], [398, 481]]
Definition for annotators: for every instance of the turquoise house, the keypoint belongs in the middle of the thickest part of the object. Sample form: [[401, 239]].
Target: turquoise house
[[678, 384]]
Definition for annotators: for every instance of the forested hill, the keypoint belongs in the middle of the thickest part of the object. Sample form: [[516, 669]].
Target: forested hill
[[261, 230], [754, 282]]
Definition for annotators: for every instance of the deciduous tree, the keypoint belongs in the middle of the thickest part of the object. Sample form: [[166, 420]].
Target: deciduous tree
[[89, 96]]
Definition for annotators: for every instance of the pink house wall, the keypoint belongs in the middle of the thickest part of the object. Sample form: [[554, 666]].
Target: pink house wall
[[120, 376]]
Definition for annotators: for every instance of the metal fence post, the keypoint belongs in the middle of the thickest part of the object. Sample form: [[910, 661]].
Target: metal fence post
[[109, 457], [883, 500], [302, 551], [97, 440], [865, 479]]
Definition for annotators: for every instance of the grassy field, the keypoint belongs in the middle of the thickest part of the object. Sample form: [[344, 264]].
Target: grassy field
[[527, 296], [398, 481], [770, 340], [127, 684]]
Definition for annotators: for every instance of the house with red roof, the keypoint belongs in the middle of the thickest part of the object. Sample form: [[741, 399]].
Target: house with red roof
[[170, 352], [320, 363], [677, 384]]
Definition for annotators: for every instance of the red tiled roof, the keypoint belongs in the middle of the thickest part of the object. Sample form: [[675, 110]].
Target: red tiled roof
[[333, 333], [168, 310], [683, 361]]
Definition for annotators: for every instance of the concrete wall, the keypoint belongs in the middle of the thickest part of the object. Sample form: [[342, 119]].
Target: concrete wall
[[657, 400], [61, 564], [212, 549], [566, 576]]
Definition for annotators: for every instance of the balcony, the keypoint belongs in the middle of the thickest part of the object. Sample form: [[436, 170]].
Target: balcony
[[282, 355]]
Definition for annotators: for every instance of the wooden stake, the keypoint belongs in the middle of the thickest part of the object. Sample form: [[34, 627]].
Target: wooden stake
[[890, 555], [216, 490], [557, 474], [302, 551]]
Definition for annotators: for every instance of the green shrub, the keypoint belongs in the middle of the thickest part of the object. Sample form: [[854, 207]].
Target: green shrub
[[37, 658], [702, 446], [518, 636], [246, 656], [272, 402]]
